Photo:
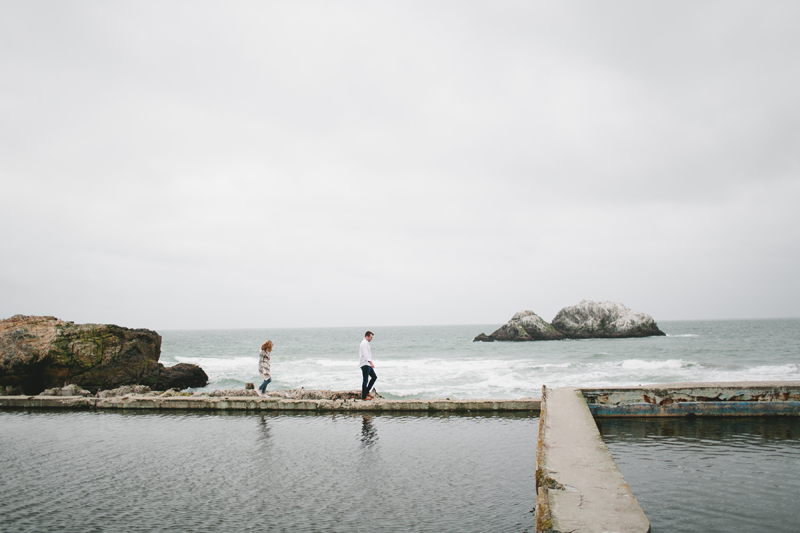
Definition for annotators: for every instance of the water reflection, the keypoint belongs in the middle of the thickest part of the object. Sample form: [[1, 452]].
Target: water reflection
[[264, 433], [369, 435]]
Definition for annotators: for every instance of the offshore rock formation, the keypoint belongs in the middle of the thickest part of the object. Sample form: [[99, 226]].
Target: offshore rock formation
[[42, 352], [604, 320], [587, 320], [523, 326]]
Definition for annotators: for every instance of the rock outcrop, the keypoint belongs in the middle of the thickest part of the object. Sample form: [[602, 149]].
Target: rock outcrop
[[587, 320], [68, 390], [604, 320], [180, 376], [525, 326], [127, 390], [42, 352]]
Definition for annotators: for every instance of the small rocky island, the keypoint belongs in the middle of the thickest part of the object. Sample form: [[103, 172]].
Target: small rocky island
[[587, 320], [43, 352]]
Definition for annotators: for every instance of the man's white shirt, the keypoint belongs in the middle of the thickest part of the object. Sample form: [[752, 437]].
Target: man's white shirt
[[364, 353]]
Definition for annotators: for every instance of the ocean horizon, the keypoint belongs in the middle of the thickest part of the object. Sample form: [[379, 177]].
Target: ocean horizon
[[443, 361]]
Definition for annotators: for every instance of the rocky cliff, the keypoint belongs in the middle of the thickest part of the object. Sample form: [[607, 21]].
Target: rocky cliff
[[41, 352], [587, 320]]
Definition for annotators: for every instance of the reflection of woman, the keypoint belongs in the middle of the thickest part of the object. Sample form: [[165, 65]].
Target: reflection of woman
[[263, 366]]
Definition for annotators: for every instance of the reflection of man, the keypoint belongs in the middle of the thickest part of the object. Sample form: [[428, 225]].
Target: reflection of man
[[368, 433], [367, 367]]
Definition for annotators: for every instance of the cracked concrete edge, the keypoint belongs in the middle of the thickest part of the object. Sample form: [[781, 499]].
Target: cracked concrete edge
[[543, 519]]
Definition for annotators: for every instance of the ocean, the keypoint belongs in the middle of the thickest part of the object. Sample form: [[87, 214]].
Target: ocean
[[443, 362]]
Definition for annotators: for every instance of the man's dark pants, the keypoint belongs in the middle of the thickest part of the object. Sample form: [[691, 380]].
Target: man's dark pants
[[368, 372]]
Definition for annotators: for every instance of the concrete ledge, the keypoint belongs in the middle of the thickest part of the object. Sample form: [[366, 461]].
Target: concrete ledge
[[578, 484], [738, 409], [254, 403], [46, 402], [745, 398]]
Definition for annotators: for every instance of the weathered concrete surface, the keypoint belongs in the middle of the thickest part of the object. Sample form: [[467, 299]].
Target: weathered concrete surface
[[249, 403], [578, 484], [699, 399]]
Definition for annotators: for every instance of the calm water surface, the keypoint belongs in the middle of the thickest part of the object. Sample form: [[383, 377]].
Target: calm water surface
[[708, 475], [111, 471]]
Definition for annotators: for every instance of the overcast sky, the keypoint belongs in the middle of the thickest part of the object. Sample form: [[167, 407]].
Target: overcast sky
[[188, 164]]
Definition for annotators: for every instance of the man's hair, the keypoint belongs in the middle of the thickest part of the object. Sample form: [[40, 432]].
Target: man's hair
[[367, 334]]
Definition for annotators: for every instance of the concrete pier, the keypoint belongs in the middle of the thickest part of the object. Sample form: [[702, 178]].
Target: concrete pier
[[578, 484], [254, 403]]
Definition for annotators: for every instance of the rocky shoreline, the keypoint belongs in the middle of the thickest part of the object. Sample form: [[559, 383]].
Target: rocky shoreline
[[44, 352], [145, 391], [587, 320]]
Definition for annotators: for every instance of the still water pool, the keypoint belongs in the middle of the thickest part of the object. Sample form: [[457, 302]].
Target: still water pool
[[137, 472], [711, 474]]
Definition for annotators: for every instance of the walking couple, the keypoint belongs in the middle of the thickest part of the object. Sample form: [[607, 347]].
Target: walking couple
[[364, 361]]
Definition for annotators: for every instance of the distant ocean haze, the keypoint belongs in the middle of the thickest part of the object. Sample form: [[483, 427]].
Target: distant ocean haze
[[442, 361]]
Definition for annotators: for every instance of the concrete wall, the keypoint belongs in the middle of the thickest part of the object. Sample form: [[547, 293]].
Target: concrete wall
[[697, 399], [248, 403]]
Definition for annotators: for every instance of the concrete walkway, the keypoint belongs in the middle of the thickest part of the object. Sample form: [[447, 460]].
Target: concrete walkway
[[251, 403], [578, 484]]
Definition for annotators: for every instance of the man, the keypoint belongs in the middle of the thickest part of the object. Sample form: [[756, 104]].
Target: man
[[367, 367]]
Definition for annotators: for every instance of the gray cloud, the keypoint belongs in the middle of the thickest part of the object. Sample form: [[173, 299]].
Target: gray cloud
[[194, 164]]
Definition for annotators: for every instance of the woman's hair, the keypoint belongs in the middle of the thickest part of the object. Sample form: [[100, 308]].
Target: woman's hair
[[267, 346]]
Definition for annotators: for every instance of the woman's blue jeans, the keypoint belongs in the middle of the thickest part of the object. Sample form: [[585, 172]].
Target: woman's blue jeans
[[263, 387]]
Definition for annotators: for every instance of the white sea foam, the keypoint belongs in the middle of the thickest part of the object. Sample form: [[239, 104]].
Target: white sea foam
[[638, 364]]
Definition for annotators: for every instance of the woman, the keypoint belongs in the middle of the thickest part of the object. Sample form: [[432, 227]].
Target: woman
[[263, 367]]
